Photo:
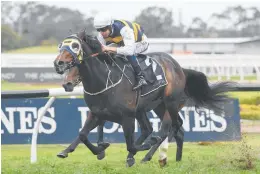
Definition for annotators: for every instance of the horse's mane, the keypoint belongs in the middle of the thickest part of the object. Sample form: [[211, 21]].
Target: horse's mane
[[95, 46], [93, 43]]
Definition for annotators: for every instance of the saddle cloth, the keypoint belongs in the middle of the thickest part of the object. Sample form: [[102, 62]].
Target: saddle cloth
[[153, 73]]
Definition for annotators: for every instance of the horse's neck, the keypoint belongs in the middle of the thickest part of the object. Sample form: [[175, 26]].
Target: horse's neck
[[94, 73]]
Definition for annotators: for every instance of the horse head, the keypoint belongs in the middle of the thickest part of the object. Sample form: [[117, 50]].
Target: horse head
[[74, 49]]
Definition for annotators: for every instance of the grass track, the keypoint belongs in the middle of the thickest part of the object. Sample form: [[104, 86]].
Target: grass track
[[226, 158]]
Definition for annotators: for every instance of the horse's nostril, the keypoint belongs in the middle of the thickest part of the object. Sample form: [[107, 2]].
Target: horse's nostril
[[60, 63]]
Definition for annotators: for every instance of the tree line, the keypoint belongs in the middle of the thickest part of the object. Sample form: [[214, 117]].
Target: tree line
[[32, 23]]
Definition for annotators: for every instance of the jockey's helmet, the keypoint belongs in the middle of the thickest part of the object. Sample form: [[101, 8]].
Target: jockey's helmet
[[102, 20]]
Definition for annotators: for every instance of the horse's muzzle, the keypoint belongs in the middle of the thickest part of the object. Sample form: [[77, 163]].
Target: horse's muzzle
[[68, 87], [60, 67]]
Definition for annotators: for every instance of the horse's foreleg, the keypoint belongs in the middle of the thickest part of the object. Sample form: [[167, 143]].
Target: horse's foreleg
[[100, 141], [91, 122], [101, 132], [76, 142], [145, 125], [128, 125], [71, 148]]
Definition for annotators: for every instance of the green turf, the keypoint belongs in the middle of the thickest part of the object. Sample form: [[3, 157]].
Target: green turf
[[239, 157]]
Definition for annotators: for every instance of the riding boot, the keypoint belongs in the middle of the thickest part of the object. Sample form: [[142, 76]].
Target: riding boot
[[138, 72]]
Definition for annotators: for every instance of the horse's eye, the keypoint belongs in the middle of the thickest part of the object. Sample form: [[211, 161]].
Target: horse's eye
[[59, 46], [75, 46]]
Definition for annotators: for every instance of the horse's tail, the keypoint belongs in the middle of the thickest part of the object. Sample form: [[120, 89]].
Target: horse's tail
[[202, 95]]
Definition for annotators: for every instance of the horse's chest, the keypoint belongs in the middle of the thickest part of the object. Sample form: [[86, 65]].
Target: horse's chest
[[99, 105]]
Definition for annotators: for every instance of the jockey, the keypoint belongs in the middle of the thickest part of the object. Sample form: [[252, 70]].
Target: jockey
[[130, 40]]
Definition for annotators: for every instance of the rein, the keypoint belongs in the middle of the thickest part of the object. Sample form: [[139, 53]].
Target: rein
[[91, 56], [96, 54], [119, 67]]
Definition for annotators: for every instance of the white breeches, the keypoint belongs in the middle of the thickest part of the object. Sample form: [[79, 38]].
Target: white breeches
[[142, 47]]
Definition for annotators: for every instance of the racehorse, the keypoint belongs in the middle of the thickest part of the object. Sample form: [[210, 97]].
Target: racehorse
[[72, 79], [108, 92]]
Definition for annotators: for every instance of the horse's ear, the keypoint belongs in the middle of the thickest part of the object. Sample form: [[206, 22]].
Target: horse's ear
[[82, 34]]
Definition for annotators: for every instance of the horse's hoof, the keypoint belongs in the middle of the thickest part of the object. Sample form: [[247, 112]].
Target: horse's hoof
[[104, 145], [146, 159], [101, 155], [62, 155], [163, 162], [130, 162], [178, 157]]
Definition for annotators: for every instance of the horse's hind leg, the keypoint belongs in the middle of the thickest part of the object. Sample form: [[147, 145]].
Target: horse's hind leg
[[178, 134], [179, 137], [160, 111], [163, 133], [176, 130], [163, 148]]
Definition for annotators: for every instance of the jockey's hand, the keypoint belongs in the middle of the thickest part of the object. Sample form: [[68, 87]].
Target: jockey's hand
[[105, 48], [108, 49]]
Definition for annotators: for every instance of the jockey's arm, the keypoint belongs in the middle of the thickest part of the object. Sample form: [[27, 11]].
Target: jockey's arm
[[129, 41], [101, 39]]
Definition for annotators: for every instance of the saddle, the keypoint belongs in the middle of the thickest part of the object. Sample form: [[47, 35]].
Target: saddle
[[152, 70]]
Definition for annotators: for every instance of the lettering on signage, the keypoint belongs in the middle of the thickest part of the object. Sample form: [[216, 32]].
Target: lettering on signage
[[204, 120], [84, 111], [184, 114], [8, 76], [27, 117], [49, 76], [32, 76]]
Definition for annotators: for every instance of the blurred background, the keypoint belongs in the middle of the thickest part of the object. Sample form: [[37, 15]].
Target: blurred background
[[26, 24], [220, 38]]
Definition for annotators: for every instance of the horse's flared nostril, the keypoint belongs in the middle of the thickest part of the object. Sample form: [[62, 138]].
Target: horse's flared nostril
[[59, 71], [60, 63]]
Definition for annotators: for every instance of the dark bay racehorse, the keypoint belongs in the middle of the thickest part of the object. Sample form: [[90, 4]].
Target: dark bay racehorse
[[118, 103], [73, 78]]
